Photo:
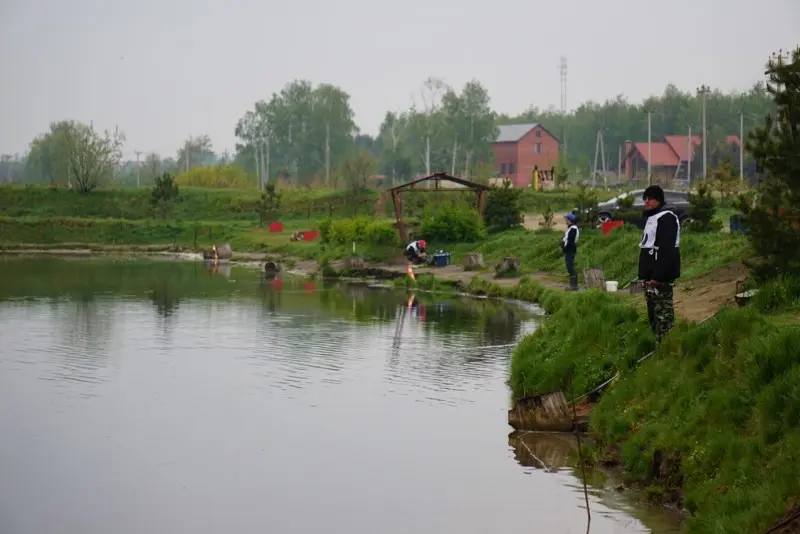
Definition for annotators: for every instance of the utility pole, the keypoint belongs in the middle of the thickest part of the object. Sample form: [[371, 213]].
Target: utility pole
[[266, 166], [327, 153], [703, 90], [741, 148], [649, 147], [619, 164], [258, 163], [690, 157], [186, 153], [138, 153], [262, 150], [562, 67], [599, 150]]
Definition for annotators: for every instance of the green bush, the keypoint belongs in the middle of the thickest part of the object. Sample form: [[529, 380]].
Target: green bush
[[453, 225], [703, 210], [360, 230], [503, 208]]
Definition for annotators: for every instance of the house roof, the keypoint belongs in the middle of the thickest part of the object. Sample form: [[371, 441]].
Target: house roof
[[680, 145], [733, 140], [662, 154], [511, 133]]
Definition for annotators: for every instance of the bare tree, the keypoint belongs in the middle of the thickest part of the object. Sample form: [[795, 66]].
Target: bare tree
[[431, 93], [93, 157]]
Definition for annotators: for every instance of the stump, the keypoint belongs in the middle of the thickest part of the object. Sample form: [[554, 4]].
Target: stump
[[507, 267], [547, 412], [355, 263], [473, 261], [594, 278], [221, 252]]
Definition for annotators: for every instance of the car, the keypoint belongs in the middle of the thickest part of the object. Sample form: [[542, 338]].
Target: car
[[677, 201]]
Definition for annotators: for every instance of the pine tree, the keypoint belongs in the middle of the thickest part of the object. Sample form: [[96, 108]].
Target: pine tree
[[774, 217]]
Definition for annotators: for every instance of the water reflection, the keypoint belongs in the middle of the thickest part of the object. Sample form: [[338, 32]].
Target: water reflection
[[161, 397]]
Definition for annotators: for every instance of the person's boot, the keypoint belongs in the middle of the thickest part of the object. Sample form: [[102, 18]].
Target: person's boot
[[573, 283]]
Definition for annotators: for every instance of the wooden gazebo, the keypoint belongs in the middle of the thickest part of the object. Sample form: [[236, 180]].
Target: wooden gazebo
[[433, 183]]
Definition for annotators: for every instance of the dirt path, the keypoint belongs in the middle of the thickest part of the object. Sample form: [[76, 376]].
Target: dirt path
[[702, 297]]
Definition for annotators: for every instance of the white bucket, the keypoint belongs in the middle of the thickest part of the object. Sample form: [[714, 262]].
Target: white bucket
[[611, 286]]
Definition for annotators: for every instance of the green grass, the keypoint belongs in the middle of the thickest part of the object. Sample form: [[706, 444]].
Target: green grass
[[719, 400], [616, 253], [193, 204]]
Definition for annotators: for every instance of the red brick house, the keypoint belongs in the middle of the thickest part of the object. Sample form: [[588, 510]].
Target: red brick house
[[520, 148], [670, 158]]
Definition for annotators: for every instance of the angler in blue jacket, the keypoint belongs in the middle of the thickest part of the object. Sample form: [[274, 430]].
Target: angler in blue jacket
[[569, 245], [659, 260]]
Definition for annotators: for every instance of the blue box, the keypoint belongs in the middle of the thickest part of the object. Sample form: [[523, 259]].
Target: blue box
[[738, 223], [441, 259]]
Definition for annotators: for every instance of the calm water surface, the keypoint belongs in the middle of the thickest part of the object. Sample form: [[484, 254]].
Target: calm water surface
[[158, 397]]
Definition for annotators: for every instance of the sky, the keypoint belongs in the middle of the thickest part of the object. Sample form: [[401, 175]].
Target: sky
[[162, 70]]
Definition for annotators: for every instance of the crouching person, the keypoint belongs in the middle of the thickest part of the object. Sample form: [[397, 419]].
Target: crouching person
[[416, 251], [659, 260]]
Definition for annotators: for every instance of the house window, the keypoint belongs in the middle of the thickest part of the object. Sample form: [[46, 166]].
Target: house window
[[510, 168], [538, 133], [538, 148], [502, 168]]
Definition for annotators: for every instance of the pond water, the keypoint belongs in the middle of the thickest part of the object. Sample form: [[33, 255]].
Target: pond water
[[146, 396]]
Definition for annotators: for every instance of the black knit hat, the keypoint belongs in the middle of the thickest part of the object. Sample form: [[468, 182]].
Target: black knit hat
[[655, 192]]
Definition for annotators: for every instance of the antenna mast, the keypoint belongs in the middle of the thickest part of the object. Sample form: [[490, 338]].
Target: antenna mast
[[562, 67]]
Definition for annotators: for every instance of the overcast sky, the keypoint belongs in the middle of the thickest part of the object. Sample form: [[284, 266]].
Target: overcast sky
[[165, 69]]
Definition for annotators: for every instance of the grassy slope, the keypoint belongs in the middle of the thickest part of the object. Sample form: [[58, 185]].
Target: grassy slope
[[721, 399]]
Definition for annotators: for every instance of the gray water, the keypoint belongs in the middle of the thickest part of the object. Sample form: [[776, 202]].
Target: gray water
[[158, 397]]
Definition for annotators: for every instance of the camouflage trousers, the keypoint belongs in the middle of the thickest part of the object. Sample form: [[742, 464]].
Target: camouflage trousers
[[660, 309]]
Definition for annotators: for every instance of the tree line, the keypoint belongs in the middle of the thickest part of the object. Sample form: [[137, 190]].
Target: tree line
[[307, 134]]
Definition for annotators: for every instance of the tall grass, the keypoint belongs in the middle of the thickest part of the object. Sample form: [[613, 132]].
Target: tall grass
[[713, 415]]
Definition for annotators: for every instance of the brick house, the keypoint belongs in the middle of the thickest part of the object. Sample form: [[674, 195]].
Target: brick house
[[670, 158], [521, 148]]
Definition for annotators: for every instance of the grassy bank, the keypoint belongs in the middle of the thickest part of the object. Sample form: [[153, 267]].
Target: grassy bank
[[713, 416], [616, 253], [210, 204]]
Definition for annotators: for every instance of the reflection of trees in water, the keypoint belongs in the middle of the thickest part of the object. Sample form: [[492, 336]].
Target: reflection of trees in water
[[165, 297], [85, 327], [496, 325], [269, 294]]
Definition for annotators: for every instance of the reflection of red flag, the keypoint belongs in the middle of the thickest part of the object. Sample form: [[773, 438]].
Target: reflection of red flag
[[422, 313], [277, 283], [309, 287]]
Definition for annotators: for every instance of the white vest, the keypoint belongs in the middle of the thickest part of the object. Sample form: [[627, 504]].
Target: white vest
[[650, 227], [566, 234], [414, 245]]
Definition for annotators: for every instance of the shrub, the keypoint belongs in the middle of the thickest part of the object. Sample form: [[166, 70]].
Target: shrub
[[503, 208], [163, 194], [586, 205], [703, 210], [453, 225], [547, 218], [360, 230], [220, 176]]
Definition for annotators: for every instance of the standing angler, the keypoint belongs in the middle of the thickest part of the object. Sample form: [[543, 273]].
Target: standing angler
[[569, 244], [659, 260]]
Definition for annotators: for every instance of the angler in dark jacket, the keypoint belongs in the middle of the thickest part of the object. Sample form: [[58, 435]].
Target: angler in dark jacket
[[659, 260], [569, 245]]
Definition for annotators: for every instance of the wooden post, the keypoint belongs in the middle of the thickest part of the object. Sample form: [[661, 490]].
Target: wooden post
[[482, 201], [397, 202]]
